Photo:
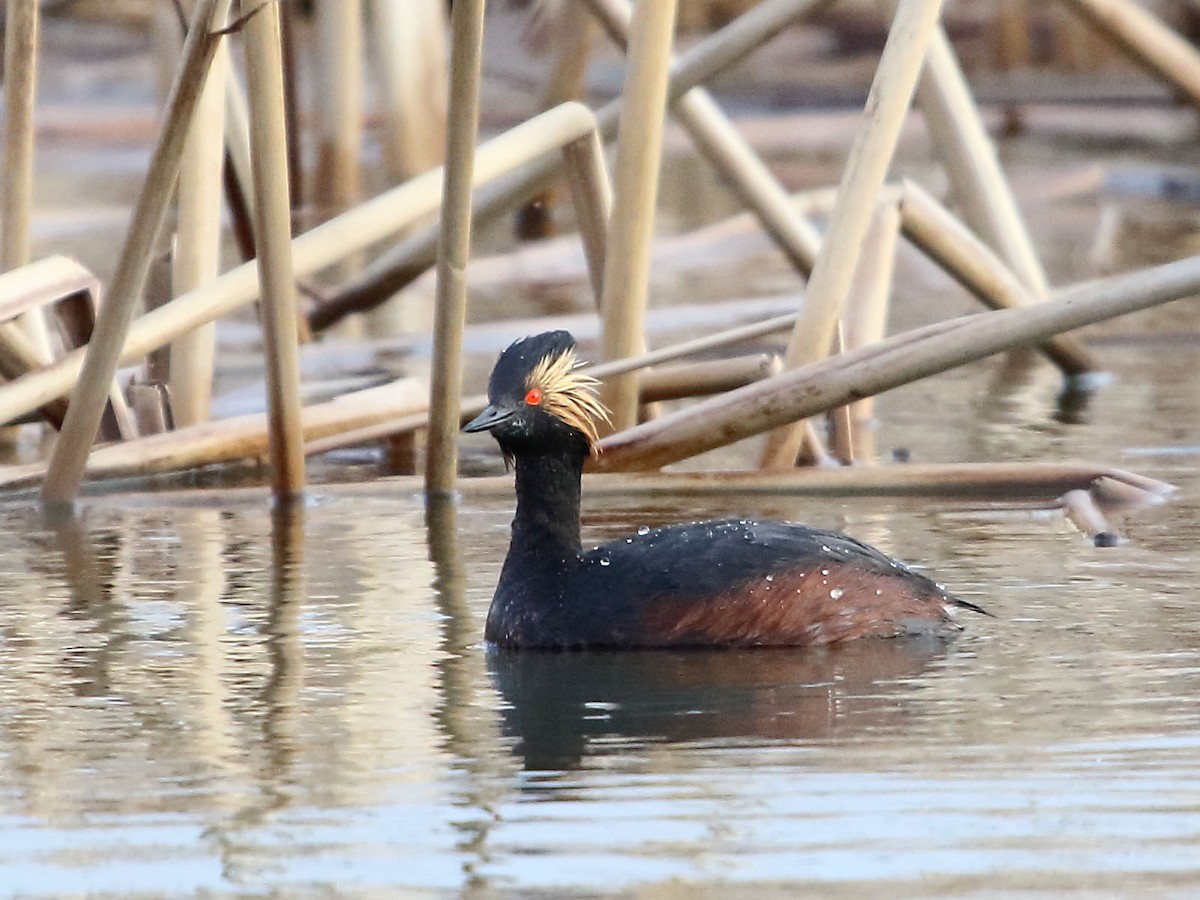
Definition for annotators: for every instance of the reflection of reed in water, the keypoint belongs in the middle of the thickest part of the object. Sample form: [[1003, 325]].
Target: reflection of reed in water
[[468, 727], [558, 703]]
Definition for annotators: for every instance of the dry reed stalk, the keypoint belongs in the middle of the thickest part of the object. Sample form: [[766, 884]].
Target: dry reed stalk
[[289, 40], [16, 173], [316, 249], [399, 267], [237, 438], [978, 183], [104, 350], [841, 428], [870, 293], [197, 256], [738, 39], [1047, 481], [635, 193], [950, 244], [273, 240], [454, 247], [867, 165], [337, 183], [817, 387], [1039, 484], [237, 136], [719, 141], [591, 194], [1084, 513], [575, 33], [62, 281], [1149, 42], [710, 377], [408, 38]]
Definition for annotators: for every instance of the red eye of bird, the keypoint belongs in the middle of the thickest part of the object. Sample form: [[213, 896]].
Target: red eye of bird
[[534, 397]]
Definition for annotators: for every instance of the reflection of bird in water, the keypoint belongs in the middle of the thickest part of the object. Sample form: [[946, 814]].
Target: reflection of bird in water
[[721, 583], [556, 703]]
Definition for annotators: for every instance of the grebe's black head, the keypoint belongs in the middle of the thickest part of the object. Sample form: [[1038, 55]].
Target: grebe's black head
[[538, 401]]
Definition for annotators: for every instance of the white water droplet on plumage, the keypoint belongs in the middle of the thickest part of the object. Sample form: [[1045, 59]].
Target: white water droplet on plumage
[[878, 592], [836, 594], [604, 560], [645, 529], [824, 571], [770, 578]]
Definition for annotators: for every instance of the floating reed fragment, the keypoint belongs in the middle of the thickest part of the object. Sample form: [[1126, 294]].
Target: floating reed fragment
[[1039, 484], [891, 93]]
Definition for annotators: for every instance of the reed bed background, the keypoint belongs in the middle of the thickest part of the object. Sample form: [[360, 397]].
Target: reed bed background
[[262, 149]]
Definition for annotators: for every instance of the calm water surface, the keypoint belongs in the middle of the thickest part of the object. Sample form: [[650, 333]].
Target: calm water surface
[[196, 698]]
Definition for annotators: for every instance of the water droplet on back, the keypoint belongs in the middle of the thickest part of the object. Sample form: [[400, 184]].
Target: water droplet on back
[[645, 529], [836, 594]]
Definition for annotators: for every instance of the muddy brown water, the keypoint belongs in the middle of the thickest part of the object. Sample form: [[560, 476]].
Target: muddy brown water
[[198, 699]]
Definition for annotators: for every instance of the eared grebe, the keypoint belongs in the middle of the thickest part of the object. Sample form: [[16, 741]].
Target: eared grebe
[[721, 583]]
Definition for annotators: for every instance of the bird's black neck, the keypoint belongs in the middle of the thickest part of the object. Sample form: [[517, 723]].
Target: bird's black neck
[[547, 519]]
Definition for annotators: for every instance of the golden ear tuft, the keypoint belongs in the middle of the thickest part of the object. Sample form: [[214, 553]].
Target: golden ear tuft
[[569, 394]]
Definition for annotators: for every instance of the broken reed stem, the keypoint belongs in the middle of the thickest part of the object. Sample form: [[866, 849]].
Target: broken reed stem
[[454, 247], [104, 351], [197, 256], [273, 240], [397, 268], [867, 165], [235, 438], [870, 292], [979, 186], [16, 173], [591, 195], [1147, 41], [949, 243], [719, 141], [820, 386], [635, 194], [337, 183], [316, 249], [1039, 484]]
